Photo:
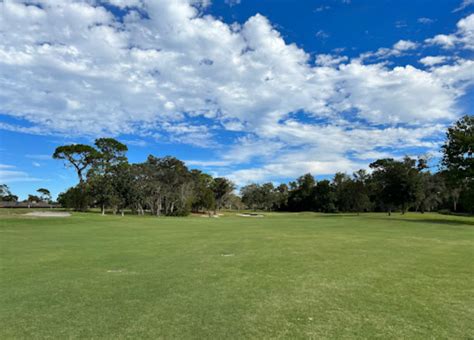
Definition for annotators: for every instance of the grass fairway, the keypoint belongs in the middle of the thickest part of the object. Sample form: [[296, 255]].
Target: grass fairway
[[281, 276]]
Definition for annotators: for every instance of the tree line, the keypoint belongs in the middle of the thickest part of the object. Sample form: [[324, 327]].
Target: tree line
[[162, 186], [401, 185], [165, 186]]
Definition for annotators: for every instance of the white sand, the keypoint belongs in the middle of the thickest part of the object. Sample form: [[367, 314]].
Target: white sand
[[249, 215], [48, 214]]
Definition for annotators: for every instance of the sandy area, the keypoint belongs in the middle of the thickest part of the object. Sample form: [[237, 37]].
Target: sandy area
[[250, 215], [48, 214]]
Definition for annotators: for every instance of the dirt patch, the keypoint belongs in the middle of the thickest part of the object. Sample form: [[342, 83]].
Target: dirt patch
[[48, 214]]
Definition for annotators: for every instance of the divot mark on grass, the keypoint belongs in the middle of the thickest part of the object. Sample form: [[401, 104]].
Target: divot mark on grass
[[227, 255], [115, 271], [121, 271]]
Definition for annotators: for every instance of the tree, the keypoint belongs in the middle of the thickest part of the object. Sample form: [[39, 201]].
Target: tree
[[110, 153], [45, 194], [222, 188], [167, 185], [396, 182], [458, 148], [340, 183], [257, 196], [281, 197], [4, 190], [79, 156], [123, 194], [301, 195], [203, 196], [351, 194], [6, 195], [458, 161], [33, 199], [75, 198], [324, 197]]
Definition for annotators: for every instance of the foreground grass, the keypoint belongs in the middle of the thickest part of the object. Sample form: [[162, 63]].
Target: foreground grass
[[281, 276]]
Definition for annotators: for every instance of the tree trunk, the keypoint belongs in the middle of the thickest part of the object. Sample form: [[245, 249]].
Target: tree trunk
[[389, 212], [102, 210], [122, 212]]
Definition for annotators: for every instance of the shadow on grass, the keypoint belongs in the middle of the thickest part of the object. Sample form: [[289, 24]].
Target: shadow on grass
[[429, 221]]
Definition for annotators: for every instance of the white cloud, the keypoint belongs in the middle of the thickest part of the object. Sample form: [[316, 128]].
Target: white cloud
[[398, 49], [232, 2], [135, 142], [167, 65], [463, 37], [425, 21], [464, 4], [405, 45], [433, 60], [322, 34], [330, 60], [9, 174], [40, 157]]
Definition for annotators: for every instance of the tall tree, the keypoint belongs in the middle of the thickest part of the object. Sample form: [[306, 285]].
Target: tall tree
[[458, 148], [6, 195], [45, 194], [301, 196], [203, 196], [458, 160], [111, 153], [79, 156], [323, 197], [397, 182], [222, 188]]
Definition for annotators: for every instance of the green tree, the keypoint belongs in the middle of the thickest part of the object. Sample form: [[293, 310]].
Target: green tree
[[324, 197], [301, 194], [458, 161], [222, 188], [110, 153], [6, 195], [75, 198], [458, 149], [79, 156], [396, 182], [203, 196], [45, 194], [33, 199]]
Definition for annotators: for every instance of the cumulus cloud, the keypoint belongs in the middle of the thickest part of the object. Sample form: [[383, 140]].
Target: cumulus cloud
[[431, 61], [398, 49], [164, 65], [463, 37]]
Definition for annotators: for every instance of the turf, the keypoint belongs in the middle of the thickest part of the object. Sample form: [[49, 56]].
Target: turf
[[281, 276]]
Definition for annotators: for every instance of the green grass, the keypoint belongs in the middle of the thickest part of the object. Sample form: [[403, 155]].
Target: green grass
[[284, 276]]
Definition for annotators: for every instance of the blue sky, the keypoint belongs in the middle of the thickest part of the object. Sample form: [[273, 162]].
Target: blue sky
[[253, 90]]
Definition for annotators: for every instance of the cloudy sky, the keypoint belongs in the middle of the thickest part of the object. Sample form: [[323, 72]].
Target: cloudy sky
[[253, 90]]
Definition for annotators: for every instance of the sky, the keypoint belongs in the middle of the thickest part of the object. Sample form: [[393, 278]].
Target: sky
[[255, 91]]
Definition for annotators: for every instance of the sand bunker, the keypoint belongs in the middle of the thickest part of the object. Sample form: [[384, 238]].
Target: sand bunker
[[250, 215], [48, 214]]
